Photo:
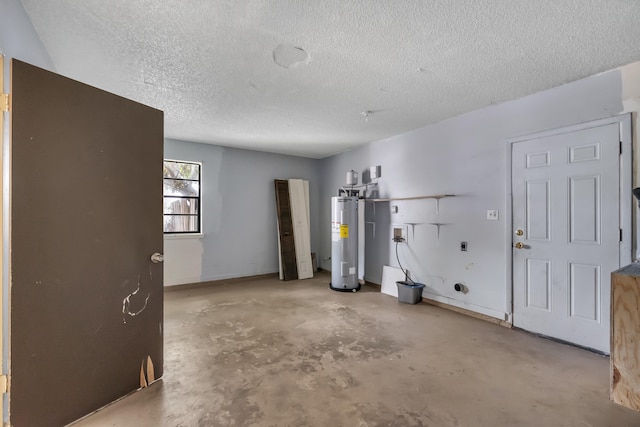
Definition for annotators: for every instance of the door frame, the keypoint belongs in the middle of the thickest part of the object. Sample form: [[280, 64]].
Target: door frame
[[625, 176], [4, 238]]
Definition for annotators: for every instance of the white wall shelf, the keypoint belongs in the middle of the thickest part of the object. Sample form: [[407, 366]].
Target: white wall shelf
[[436, 197]]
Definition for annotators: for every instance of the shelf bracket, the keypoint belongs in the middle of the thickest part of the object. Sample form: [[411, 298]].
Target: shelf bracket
[[437, 224], [413, 228]]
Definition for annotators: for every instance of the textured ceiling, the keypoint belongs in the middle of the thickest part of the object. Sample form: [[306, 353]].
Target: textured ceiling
[[315, 78]]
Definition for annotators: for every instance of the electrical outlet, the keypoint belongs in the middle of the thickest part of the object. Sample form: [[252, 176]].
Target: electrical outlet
[[492, 214], [400, 234]]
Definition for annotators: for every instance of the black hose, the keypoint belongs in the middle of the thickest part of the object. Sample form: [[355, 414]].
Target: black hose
[[406, 276]]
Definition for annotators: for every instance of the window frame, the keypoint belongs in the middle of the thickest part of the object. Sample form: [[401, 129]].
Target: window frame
[[177, 234]]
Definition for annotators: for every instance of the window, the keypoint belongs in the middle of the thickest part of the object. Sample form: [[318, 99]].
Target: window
[[181, 197]]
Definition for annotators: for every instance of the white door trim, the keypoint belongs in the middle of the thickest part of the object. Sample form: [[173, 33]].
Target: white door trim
[[625, 197], [4, 238]]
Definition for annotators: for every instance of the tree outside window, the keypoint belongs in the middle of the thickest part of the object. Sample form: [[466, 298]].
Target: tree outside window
[[181, 197]]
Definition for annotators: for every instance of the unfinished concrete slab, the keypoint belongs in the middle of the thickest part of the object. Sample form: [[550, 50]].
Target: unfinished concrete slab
[[271, 353]]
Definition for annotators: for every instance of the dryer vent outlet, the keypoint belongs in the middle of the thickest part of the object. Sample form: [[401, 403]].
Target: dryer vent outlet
[[459, 287]]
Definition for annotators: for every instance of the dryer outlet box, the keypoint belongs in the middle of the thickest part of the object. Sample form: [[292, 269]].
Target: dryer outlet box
[[400, 234]]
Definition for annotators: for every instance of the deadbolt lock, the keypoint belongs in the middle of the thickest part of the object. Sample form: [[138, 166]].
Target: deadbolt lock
[[519, 245], [519, 232]]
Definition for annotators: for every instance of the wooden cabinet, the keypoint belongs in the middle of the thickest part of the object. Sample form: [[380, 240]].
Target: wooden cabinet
[[625, 336]]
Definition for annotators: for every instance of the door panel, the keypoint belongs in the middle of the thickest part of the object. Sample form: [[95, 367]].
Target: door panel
[[566, 201], [584, 209], [285, 230], [584, 282], [86, 215], [538, 283], [538, 210]]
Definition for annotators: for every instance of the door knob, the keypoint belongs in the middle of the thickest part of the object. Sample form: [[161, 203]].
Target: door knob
[[157, 258], [519, 232], [519, 245]]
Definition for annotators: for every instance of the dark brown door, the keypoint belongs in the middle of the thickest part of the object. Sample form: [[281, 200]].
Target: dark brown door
[[86, 216], [285, 228]]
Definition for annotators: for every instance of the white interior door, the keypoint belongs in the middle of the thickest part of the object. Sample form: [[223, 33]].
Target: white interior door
[[566, 224]]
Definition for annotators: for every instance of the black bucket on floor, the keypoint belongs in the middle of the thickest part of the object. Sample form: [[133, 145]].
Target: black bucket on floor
[[409, 292]]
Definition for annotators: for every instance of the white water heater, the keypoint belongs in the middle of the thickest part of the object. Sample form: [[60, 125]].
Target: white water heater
[[344, 244]]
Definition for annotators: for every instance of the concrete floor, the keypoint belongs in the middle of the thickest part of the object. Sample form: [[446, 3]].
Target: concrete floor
[[271, 353]]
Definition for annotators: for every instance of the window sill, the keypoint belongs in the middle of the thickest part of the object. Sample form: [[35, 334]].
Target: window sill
[[184, 236]]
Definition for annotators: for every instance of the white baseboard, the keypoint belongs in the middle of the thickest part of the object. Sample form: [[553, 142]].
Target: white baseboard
[[471, 307]]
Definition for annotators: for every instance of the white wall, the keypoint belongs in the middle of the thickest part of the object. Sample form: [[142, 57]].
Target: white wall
[[631, 101], [18, 39], [239, 213], [465, 156]]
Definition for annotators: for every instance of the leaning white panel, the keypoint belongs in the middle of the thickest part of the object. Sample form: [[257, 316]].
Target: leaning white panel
[[391, 275], [301, 233]]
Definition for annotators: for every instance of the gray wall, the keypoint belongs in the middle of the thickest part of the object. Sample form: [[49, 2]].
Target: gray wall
[[18, 39], [239, 213], [465, 156]]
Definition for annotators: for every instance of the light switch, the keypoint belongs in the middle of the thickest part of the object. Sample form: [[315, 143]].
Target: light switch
[[492, 214]]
